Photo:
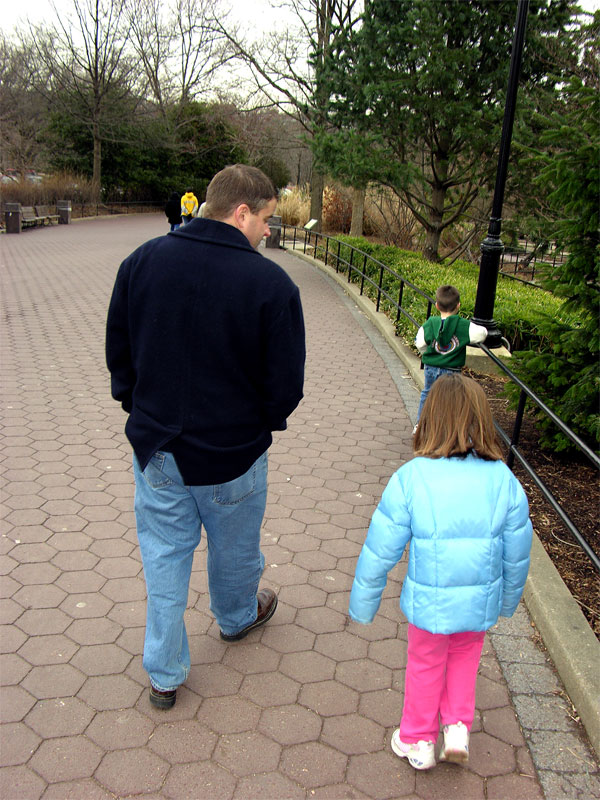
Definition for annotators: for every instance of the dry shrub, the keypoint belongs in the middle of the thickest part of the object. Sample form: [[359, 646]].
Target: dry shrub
[[61, 186], [337, 209], [388, 219], [293, 206]]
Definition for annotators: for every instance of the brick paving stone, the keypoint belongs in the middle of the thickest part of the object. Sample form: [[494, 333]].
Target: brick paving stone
[[180, 742], [364, 675], [60, 716], [302, 708], [338, 792], [93, 631], [210, 781], [133, 771], [100, 659], [353, 734], [502, 724], [18, 743], [20, 783], [110, 691], [247, 753], [54, 680], [275, 690], [313, 764], [290, 724], [270, 785], [250, 657], [383, 706], [329, 698], [488, 756], [120, 729], [39, 596], [229, 715], [67, 758], [50, 649], [77, 790], [518, 786], [381, 775], [16, 702], [13, 668], [450, 780]]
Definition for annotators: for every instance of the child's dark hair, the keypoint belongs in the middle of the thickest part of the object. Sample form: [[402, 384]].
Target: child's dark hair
[[455, 420], [447, 297]]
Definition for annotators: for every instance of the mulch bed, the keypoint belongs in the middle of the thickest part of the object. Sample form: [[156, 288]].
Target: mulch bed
[[575, 484]]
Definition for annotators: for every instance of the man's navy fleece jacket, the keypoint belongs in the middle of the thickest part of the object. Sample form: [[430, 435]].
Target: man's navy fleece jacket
[[205, 345]]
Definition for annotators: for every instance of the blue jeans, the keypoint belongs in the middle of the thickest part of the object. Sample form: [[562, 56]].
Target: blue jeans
[[431, 376], [169, 518], [175, 226]]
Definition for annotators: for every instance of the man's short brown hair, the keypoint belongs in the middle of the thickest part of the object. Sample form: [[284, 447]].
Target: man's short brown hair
[[447, 297], [235, 185]]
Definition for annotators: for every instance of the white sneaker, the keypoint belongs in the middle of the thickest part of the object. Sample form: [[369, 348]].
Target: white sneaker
[[415, 429], [420, 755], [456, 744]]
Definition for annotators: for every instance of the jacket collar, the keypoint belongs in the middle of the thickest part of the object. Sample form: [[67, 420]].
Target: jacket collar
[[213, 232]]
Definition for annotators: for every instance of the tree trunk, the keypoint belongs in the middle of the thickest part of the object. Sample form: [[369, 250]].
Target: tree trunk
[[97, 169], [317, 184], [358, 211], [432, 244], [436, 215]]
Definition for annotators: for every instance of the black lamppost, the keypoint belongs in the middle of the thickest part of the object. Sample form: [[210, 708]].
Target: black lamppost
[[492, 247]]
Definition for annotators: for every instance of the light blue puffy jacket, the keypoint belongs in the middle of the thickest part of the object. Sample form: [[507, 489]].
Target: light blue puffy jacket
[[467, 521]]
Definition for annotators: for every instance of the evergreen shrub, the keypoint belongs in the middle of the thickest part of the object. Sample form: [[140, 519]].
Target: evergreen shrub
[[520, 310]]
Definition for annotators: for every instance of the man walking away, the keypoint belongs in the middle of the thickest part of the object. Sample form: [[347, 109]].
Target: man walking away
[[189, 206], [205, 346]]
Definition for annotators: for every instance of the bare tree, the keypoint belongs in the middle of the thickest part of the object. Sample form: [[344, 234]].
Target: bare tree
[[81, 62], [178, 47], [283, 65], [21, 111]]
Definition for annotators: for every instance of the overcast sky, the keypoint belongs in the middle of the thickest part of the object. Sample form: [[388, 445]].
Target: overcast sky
[[254, 13]]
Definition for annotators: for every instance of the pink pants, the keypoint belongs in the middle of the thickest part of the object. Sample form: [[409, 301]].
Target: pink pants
[[441, 673]]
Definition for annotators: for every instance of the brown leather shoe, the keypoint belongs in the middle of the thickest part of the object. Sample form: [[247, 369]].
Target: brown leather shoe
[[267, 603]]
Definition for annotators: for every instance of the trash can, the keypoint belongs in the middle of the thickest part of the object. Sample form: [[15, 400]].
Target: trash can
[[64, 212], [12, 217], [274, 239]]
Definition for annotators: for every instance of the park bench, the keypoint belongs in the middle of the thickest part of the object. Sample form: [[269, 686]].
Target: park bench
[[29, 217], [44, 212]]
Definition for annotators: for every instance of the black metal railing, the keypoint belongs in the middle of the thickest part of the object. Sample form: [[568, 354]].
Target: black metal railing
[[334, 252], [525, 258]]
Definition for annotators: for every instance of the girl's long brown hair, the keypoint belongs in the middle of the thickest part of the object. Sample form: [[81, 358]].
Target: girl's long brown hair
[[455, 420]]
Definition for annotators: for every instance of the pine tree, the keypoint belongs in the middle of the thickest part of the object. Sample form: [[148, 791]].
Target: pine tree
[[565, 371], [417, 98]]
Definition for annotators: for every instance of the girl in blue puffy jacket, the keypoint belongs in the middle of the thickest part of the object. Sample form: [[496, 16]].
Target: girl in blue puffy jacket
[[466, 518]]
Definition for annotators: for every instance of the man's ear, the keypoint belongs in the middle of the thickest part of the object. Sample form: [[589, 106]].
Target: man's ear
[[241, 213]]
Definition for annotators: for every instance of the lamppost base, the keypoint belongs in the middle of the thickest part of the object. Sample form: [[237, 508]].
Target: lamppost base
[[494, 338]]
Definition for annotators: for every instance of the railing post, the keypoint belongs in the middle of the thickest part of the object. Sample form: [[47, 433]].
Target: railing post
[[337, 263], [350, 265], [514, 442], [400, 296], [379, 285], [326, 249], [362, 280]]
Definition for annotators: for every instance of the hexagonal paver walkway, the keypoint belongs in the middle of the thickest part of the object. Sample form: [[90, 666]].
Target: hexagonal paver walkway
[[303, 708]]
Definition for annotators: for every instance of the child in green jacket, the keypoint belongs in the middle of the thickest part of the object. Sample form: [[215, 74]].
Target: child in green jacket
[[442, 341]]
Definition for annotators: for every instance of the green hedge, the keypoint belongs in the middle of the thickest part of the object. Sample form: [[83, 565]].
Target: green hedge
[[518, 310]]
